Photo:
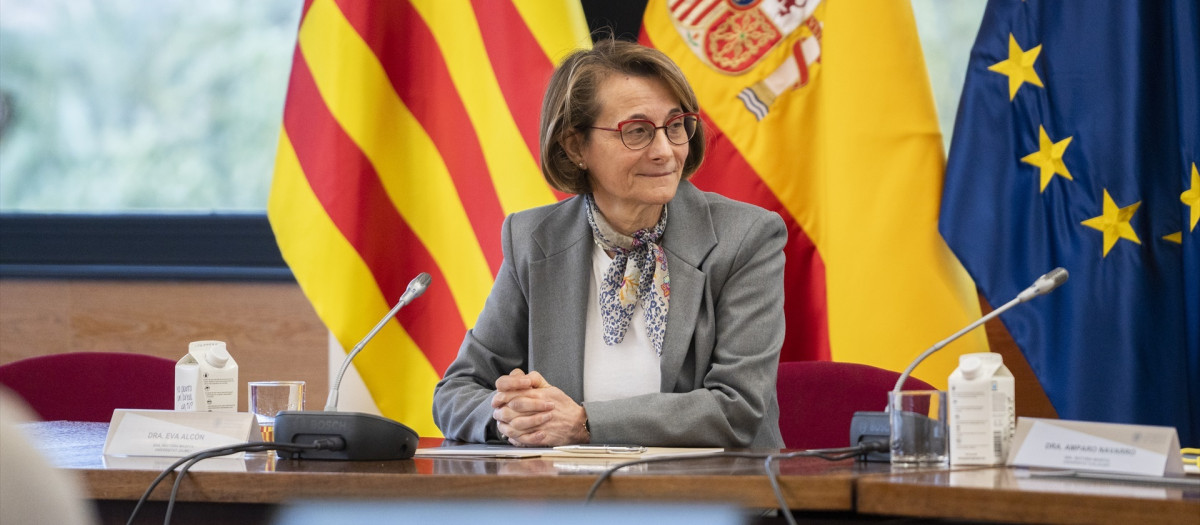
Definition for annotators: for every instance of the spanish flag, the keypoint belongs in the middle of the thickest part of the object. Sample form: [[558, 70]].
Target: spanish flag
[[409, 132], [822, 111]]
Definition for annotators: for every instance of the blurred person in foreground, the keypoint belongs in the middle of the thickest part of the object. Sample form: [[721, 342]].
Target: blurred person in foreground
[[641, 310], [32, 491]]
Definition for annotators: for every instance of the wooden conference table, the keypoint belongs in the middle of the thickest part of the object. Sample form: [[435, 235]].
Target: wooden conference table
[[248, 490]]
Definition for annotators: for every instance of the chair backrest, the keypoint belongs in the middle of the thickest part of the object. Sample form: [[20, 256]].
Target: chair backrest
[[817, 399], [88, 386]]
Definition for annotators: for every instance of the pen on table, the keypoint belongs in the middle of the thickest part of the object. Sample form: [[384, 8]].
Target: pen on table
[[604, 449]]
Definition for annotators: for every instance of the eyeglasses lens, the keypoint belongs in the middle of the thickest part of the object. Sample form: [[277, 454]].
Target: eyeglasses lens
[[679, 130]]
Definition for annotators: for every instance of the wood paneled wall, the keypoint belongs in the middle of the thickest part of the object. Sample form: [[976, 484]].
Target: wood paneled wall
[[270, 328]]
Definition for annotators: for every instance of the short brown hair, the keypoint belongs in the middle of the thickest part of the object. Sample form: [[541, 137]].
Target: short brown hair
[[570, 104]]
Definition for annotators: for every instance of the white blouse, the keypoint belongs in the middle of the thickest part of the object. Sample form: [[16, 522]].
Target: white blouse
[[626, 369]]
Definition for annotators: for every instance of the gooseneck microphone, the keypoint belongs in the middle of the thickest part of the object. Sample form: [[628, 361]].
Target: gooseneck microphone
[[876, 426], [366, 437], [416, 287]]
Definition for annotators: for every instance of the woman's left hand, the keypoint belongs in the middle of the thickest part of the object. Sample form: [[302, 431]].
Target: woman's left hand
[[538, 415]]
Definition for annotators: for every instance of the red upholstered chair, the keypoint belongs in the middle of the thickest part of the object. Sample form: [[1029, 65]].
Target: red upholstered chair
[[817, 399], [87, 386]]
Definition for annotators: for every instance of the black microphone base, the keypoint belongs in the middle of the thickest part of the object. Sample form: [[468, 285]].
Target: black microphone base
[[367, 437], [872, 427]]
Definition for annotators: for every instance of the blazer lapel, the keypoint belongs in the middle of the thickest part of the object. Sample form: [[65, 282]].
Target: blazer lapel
[[687, 241], [559, 278]]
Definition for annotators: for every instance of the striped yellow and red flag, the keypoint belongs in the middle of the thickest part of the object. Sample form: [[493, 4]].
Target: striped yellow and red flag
[[822, 111], [409, 132]]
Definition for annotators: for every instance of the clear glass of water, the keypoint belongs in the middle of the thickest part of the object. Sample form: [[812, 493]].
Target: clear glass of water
[[919, 428], [268, 398]]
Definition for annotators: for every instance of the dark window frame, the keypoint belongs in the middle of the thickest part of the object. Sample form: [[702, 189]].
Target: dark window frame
[[222, 247]]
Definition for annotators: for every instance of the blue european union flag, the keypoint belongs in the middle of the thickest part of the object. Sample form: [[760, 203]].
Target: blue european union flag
[[1076, 145]]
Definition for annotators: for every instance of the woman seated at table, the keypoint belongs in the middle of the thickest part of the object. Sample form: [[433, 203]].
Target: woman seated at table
[[641, 310]]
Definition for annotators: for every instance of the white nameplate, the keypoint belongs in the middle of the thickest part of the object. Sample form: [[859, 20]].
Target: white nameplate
[[167, 433], [1098, 447]]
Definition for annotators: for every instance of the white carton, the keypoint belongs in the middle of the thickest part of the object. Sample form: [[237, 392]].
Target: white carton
[[982, 410], [206, 379]]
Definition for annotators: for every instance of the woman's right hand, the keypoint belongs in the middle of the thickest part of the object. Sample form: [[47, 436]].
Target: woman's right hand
[[512, 406]]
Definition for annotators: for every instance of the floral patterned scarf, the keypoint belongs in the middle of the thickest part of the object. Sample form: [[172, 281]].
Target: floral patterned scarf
[[625, 284]]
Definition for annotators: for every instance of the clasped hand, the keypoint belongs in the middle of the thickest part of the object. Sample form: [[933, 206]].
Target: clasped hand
[[530, 412]]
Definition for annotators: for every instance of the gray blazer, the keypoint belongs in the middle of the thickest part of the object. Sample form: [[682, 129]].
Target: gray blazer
[[724, 330]]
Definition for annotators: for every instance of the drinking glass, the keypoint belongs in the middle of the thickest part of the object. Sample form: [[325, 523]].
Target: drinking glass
[[268, 398], [919, 427]]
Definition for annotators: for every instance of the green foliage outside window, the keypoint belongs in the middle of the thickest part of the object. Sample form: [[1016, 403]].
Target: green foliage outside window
[[139, 105]]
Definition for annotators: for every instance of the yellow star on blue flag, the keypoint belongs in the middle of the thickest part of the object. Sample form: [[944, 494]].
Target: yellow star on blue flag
[[1114, 223], [1018, 67]]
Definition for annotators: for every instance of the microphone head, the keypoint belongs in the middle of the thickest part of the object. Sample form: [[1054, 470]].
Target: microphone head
[[1044, 284], [1053, 279], [417, 286]]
